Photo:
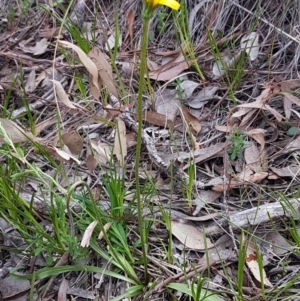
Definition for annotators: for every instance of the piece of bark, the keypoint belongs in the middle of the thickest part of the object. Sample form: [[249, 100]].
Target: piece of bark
[[255, 216]]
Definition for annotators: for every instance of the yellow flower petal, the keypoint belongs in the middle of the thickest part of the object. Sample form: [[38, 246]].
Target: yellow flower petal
[[170, 3]]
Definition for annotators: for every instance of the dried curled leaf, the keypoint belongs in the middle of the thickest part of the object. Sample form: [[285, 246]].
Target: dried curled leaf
[[62, 95], [85, 242], [190, 236], [120, 146], [252, 262], [85, 60], [104, 70], [16, 133], [73, 141]]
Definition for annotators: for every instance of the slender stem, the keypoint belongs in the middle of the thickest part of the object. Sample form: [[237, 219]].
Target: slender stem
[[141, 222]]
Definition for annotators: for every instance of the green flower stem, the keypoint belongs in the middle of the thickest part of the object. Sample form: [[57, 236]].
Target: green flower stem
[[143, 59]]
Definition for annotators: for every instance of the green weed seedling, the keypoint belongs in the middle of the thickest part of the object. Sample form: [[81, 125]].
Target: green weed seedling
[[238, 144]]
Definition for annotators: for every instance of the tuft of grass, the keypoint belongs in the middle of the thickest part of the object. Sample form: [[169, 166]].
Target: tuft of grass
[[222, 65], [181, 21], [29, 117], [195, 290]]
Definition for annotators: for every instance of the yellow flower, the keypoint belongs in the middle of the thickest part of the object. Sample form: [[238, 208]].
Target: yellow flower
[[170, 3]]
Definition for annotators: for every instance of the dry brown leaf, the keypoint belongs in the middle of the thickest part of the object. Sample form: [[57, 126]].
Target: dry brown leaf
[[40, 77], [62, 95], [252, 157], [48, 33], [259, 176], [16, 133], [95, 91], [65, 156], [203, 217], [273, 176], [85, 241], [62, 292], [103, 152], [215, 181], [256, 131], [293, 145], [222, 252], [245, 175], [287, 106], [130, 21], [258, 135], [248, 175], [85, 60], [190, 236], [292, 98], [131, 139], [207, 196], [187, 88], [202, 97], [289, 84], [44, 124], [152, 65], [39, 48], [196, 144], [248, 118], [253, 265], [167, 103], [120, 146], [73, 141], [224, 128], [170, 70], [91, 163], [260, 103], [278, 243], [288, 98], [220, 187], [242, 112], [288, 171], [105, 228], [10, 288], [117, 109], [30, 82], [193, 121], [264, 160], [156, 119], [61, 155], [203, 154], [104, 70], [243, 178]]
